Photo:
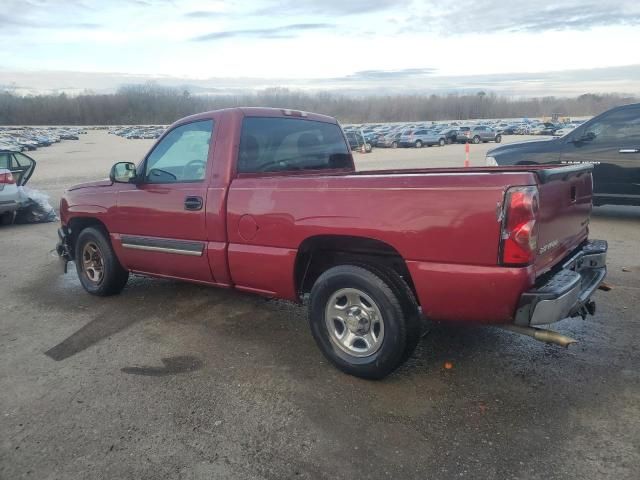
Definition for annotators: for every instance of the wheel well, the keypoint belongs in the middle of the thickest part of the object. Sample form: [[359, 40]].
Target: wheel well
[[77, 224], [318, 254]]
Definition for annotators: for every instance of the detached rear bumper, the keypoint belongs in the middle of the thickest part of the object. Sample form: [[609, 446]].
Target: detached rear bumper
[[567, 293]]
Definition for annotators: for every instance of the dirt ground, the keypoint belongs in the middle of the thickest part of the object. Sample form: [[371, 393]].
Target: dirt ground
[[171, 380]]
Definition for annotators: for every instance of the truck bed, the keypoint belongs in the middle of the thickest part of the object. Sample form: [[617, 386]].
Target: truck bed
[[445, 224]]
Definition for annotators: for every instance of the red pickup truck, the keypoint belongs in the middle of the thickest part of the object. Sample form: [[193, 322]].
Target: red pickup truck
[[268, 201]]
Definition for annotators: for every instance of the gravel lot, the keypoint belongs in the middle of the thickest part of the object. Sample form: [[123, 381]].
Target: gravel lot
[[171, 380]]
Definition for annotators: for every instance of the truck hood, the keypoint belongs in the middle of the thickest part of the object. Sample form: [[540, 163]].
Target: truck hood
[[97, 183], [525, 146]]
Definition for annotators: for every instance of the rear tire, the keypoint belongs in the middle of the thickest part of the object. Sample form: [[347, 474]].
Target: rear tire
[[347, 304], [410, 308], [418, 144], [98, 267]]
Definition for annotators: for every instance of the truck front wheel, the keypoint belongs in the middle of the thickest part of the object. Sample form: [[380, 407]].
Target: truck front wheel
[[359, 319], [98, 267]]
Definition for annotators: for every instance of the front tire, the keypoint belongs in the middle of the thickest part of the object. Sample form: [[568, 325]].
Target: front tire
[[442, 142], [498, 138], [418, 144], [98, 267], [476, 139], [7, 218], [358, 318]]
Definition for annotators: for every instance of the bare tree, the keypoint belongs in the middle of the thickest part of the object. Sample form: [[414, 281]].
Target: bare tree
[[154, 104]]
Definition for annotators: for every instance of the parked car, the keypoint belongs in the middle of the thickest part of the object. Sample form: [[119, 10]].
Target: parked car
[[561, 132], [548, 128], [507, 130], [282, 212], [357, 142], [421, 137], [15, 170], [69, 136], [610, 141], [390, 140], [477, 134], [450, 134]]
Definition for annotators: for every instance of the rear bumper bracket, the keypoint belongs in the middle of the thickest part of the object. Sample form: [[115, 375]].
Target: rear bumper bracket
[[568, 292]]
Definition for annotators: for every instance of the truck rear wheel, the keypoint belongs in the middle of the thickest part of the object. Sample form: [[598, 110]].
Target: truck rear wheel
[[98, 267], [362, 320]]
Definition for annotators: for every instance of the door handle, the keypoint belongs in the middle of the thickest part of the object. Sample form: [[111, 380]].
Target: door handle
[[193, 203], [629, 150]]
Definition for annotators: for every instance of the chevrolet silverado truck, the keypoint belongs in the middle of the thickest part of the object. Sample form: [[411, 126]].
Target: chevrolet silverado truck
[[268, 201]]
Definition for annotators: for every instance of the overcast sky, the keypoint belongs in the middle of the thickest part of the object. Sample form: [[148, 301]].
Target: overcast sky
[[514, 47]]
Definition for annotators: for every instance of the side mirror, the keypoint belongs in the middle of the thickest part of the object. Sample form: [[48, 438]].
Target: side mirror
[[123, 172]]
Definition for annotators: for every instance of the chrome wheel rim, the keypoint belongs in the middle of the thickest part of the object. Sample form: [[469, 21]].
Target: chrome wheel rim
[[354, 322], [92, 263]]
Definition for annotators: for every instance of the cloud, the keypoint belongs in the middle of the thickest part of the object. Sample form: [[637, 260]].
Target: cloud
[[285, 31], [330, 7], [491, 16], [19, 18], [203, 14], [389, 75]]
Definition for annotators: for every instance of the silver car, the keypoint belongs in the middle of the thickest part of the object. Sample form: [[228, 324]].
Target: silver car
[[15, 170], [421, 137], [477, 134]]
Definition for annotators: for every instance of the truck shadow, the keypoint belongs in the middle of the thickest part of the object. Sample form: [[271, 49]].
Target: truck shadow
[[143, 299], [102, 326]]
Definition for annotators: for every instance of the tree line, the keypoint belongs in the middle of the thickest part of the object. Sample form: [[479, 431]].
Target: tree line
[[153, 104]]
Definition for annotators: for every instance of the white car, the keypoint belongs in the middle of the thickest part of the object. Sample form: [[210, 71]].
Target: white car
[[15, 170], [564, 130]]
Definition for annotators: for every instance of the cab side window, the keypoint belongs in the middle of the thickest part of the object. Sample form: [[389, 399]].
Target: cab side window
[[620, 126], [181, 156]]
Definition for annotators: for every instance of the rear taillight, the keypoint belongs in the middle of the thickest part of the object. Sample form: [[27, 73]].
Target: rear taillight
[[7, 178], [519, 226]]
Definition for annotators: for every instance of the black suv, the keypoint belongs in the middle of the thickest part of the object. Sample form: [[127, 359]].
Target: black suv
[[610, 141]]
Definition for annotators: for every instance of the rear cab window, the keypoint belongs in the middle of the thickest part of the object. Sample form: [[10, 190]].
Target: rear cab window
[[273, 144]]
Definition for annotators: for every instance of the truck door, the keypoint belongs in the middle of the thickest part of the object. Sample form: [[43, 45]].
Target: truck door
[[160, 221], [612, 143]]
